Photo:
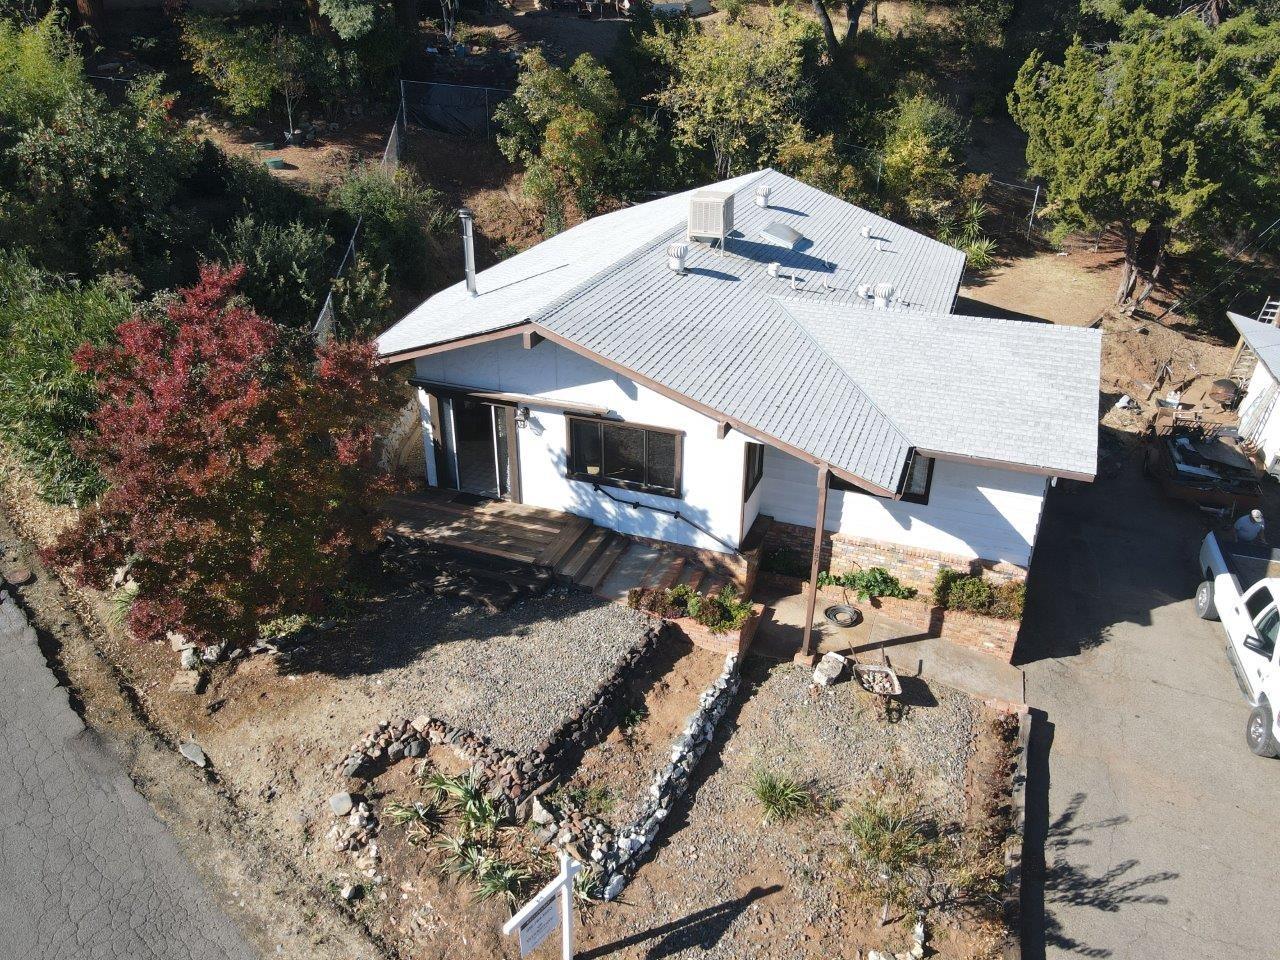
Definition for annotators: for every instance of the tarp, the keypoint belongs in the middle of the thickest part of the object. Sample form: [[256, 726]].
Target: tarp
[[451, 108]]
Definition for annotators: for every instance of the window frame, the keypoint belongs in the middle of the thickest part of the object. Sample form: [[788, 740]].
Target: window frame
[[919, 498], [749, 483], [675, 492]]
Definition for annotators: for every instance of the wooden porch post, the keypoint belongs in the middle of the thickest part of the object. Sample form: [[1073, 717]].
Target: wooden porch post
[[808, 652]]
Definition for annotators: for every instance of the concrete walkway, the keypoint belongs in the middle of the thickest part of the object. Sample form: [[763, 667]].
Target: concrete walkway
[[86, 869], [934, 660], [1151, 829]]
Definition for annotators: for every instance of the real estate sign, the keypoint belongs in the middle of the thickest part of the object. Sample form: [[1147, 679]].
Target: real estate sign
[[551, 907]]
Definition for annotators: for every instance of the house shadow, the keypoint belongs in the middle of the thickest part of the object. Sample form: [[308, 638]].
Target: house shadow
[[1109, 552], [969, 307], [1051, 880]]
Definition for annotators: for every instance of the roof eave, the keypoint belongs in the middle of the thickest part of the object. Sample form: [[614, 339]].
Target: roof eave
[[1065, 474]]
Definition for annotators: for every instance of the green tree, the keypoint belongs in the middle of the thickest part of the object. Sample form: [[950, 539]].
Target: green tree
[[397, 214], [924, 138], [45, 399], [738, 90], [40, 70], [287, 267], [93, 187], [1167, 134], [557, 124]]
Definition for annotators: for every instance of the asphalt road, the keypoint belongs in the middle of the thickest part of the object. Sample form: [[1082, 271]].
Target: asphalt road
[[87, 872], [1158, 826]]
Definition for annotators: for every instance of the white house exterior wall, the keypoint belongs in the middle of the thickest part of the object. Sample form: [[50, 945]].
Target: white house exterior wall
[[973, 511], [711, 468], [1267, 433]]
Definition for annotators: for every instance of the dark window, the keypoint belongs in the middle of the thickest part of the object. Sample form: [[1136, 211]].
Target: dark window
[[755, 469], [1259, 601], [914, 490], [624, 455], [1268, 627]]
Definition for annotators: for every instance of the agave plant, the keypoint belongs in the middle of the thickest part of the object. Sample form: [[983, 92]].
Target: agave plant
[[496, 878]]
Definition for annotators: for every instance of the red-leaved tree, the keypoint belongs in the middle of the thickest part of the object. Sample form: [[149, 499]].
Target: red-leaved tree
[[241, 475]]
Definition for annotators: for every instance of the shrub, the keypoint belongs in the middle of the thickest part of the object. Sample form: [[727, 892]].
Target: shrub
[[961, 591], [869, 584], [397, 214], [286, 267], [723, 611], [781, 797], [40, 69], [680, 601], [241, 480], [45, 399]]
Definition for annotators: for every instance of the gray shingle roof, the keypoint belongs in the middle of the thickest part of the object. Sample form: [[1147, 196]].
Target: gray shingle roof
[[1006, 390], [774, 352]]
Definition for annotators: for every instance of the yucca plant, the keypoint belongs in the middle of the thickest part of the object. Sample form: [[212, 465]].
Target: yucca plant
[[498, 878], [462, 856], [782, 797]]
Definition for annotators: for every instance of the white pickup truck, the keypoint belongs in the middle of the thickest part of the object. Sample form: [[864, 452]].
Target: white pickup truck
[[1241, 587]]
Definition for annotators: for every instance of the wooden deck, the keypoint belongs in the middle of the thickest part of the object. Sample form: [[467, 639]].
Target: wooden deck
[[513, 531], [608, 564]]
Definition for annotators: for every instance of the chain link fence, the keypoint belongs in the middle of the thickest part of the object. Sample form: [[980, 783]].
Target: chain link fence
[[452, 108], [390, 162]]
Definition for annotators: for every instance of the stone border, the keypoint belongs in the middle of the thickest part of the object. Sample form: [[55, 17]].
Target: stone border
[[617, 855], [1011, 900]]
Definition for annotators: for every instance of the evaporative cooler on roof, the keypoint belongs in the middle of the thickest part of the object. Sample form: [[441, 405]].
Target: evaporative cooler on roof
[[710, 216]]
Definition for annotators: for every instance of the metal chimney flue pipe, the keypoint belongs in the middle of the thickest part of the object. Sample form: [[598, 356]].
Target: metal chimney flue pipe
[[468, 248]]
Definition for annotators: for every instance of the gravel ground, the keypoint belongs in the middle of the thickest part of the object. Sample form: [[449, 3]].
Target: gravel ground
[[512, 676], [722, 885]]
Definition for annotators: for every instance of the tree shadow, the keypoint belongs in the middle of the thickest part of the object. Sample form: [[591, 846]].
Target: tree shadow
[[701, 929], [1050, 879]]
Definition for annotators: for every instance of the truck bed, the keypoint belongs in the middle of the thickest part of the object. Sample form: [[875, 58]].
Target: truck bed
[[1250, 562]]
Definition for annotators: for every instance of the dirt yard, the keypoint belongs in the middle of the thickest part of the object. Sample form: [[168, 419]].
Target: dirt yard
[[1073, 288]]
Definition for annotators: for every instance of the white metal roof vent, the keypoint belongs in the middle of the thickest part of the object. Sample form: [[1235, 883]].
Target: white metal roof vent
[[762, 197], [710, 216], [884, 294], [676, 253], [781, 235]]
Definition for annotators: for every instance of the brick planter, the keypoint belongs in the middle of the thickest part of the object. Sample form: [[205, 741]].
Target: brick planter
[[988, 635], [730, 642]]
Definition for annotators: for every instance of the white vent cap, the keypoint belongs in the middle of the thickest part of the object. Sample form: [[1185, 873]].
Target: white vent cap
[[762, 196], [884, 293], [676, 255]]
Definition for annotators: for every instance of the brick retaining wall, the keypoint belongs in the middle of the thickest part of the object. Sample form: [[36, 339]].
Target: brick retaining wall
[[917, 568]]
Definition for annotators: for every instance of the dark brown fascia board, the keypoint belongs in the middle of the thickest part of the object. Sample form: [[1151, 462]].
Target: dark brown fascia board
[[1005, 465], [448, 345], [716, 415]]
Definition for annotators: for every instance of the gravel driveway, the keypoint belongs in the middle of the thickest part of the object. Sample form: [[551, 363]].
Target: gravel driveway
[[86, 869]]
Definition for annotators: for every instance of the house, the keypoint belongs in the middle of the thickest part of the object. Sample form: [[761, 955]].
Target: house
[[683, 368], [1260, 349]]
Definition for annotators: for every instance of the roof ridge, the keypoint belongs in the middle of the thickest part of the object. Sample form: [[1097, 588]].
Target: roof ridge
[[634, 254], [782, 302]]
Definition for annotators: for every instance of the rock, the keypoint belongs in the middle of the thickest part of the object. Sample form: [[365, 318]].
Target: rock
[[178, 641], [349, 892], [341, 804], [191, 750], [190, 659], [18, 576], [614, 887], [830, 669], [540, 814], [353, 766], [213, 652], [415, 748], [187, 682]]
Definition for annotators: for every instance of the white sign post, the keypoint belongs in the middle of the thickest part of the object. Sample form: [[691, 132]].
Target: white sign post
[[551, 906]]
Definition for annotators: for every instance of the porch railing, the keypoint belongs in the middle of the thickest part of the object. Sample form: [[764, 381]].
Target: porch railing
[[638, 505]]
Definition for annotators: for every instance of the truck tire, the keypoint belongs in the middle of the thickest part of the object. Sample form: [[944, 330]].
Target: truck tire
[[1205, 609], [1257, 731]]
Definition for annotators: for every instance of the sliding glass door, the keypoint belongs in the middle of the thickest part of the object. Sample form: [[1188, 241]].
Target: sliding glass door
[[478, 445]]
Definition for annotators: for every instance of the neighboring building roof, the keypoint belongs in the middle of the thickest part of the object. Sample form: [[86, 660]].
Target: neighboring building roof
[[769, 347], [1262, 338], [1004, 390]]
